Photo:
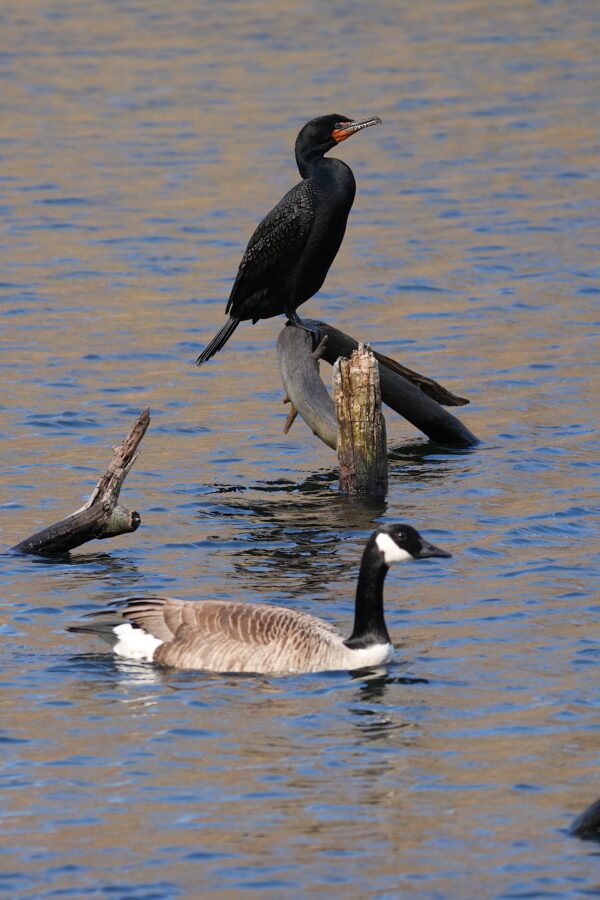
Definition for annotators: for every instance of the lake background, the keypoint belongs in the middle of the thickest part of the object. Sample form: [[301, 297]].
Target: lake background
[[141, 143]]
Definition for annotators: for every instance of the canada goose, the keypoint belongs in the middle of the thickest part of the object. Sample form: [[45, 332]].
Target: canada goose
[[225, 636]]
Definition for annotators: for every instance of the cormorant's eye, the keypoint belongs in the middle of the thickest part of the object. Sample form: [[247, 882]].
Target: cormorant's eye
[[401, 536]]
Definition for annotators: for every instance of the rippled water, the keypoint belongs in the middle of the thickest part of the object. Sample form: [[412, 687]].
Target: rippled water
[[142, 141]]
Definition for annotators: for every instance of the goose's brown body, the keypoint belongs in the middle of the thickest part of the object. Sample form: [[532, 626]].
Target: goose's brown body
[[219, 636]]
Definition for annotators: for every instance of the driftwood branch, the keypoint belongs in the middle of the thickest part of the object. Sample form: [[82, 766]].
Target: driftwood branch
[[101, 517], [361, 443], [410, 398], [291, 416]]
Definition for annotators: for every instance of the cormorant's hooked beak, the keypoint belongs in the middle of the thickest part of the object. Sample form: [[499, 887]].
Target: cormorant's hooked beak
[[343, 130], [428, 550]]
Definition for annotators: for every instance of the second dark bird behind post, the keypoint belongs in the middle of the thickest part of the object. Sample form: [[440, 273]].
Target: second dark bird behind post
[[288, 256]]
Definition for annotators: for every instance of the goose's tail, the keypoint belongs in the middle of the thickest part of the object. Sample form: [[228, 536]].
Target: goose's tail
[[127, 638], [219, 340]]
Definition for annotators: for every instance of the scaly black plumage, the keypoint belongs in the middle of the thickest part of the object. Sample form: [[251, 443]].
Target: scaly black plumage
[[288, 256]]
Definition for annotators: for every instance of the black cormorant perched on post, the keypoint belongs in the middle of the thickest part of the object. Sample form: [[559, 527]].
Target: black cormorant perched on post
[[290, 252]]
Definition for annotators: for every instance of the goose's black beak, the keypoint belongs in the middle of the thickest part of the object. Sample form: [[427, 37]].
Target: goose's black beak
[[428, 550]]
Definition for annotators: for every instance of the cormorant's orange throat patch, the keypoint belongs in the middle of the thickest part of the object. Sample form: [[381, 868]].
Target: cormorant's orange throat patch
[[341, 134], [344, 129]]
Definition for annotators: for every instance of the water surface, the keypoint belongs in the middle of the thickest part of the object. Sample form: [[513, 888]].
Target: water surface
[[142, 142]]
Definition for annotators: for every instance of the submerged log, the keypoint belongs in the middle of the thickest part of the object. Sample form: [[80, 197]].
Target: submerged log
[[101, 517], [361, 441], [412, 399], [341, 344]]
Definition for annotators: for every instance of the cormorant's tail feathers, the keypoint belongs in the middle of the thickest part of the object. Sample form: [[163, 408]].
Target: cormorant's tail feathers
[[219, 340]]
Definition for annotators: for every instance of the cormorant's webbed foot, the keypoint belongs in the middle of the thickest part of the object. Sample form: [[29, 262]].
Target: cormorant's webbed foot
[[315, 332], [293, 318], [311, 328]]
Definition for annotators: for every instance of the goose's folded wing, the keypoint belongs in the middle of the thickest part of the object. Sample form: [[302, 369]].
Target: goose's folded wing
[[239, 637], [158, 616]]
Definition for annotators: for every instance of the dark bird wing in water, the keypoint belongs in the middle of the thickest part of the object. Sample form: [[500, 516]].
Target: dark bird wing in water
[[271, 252], [587, 825]]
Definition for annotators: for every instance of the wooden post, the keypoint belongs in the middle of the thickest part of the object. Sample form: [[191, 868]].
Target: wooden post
[[361, 441], [101, 517]]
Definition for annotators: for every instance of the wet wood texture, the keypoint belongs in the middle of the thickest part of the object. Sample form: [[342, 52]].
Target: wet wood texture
[[361, 442]]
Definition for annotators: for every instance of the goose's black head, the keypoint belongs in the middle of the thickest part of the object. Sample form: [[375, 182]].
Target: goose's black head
[[321, 134], [397, 543]]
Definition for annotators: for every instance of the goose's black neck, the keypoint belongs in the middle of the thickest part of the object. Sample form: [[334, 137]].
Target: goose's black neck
[[369, 623]]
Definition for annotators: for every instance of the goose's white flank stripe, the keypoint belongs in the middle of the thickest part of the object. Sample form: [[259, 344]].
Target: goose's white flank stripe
[[376, 655], [390, 549], [135, 643]]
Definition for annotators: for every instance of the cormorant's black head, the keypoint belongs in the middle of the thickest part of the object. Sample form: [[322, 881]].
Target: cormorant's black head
[[397, 543], [321, 134]]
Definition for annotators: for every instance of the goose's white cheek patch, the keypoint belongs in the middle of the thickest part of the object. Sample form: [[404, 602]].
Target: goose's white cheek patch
[[390, 549]]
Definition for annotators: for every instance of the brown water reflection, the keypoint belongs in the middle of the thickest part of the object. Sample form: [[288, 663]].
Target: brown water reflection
[[142, 141]]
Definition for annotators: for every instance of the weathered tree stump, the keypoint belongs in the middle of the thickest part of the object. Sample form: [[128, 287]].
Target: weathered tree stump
[[101, 517], [413, 399], [361, 439]]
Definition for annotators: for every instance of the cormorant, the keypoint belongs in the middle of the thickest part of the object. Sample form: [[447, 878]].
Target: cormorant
[[290, 252]]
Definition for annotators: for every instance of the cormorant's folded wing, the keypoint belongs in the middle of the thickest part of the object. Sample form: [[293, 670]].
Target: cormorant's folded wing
[[274, 246]]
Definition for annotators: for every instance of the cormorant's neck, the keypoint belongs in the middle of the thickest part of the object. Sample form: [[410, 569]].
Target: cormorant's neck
[[369, 624], [311, 160]]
